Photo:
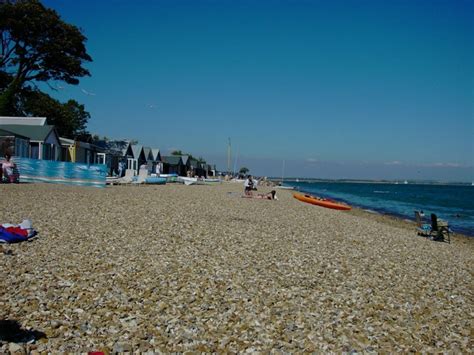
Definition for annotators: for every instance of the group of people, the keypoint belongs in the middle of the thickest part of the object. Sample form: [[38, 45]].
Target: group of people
[[250, 185], [7, 171]]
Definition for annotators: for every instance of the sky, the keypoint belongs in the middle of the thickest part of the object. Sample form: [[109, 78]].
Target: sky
[[362, 89]]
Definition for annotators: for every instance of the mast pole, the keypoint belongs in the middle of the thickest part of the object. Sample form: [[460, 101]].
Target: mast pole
[[282, 171], [228, 158]]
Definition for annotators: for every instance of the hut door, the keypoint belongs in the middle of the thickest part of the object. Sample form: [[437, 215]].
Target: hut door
[[100, 158], [132, 164]]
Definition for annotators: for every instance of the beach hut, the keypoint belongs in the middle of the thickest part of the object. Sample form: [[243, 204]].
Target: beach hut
[[44, 141], [115, 152], [16, 144], [138, 156], [150, 159], [197, 167], [185, 169], [156, 154], [185, 159], [156, 160], [172, 164], [193, 166], [210, 170], [81, 152]]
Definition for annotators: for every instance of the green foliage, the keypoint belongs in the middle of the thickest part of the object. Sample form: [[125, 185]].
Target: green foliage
[[190, 157], [70, 118], [95, 138], [243, 171], [37, 46]]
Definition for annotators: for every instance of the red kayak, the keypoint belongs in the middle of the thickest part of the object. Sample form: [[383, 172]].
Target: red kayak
[[323, 202]]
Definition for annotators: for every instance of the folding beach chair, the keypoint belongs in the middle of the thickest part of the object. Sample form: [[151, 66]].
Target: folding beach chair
[[440, 229], [423, 229], [127, 179]]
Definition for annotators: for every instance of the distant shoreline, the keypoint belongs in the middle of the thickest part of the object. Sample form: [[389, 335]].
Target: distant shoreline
[[355, 181]]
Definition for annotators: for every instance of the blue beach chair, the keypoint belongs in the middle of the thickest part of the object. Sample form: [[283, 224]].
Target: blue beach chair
[[423, 229]]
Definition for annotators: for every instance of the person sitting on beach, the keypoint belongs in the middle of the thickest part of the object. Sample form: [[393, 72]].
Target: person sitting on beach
[[269, 196], [248, 185], [8, 167]]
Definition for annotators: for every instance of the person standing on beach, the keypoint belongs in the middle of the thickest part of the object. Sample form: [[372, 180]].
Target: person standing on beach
[[120, 168], [248, 185]]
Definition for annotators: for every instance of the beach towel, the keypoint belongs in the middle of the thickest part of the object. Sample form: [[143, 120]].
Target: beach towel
[[16, 233]]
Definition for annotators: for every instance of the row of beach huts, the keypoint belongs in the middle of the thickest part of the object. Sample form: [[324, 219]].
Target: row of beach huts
[[33, 138]]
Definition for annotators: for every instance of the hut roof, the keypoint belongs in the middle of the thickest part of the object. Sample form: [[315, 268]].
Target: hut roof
[[148, 154], [34, 133], [4, 133], [194, 163], [29, 121], [172, 159], [137, 150], [116, 146], [156, 154]]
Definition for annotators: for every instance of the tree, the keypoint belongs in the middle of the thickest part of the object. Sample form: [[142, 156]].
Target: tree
[[243, 171], [177, 152], [37, 46], [70, 118]]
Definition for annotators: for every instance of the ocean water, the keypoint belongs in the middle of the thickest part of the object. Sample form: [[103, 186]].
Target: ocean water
[[453, 203]]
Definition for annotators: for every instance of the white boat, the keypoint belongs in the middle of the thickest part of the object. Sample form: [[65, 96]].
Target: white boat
[[212, 181], [112, 180], [170, 177], [187, 180], [283, 187]]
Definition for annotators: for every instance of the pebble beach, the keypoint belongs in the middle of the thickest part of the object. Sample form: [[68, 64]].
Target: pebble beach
[[177, 268]]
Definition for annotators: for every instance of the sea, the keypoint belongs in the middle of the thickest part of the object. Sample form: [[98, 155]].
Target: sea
[[453, 203]]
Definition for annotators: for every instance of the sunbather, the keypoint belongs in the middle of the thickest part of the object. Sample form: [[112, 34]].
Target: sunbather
[[268, 196]]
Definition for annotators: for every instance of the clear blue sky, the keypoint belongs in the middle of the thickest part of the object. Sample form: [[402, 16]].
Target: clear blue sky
[[343, 89]]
